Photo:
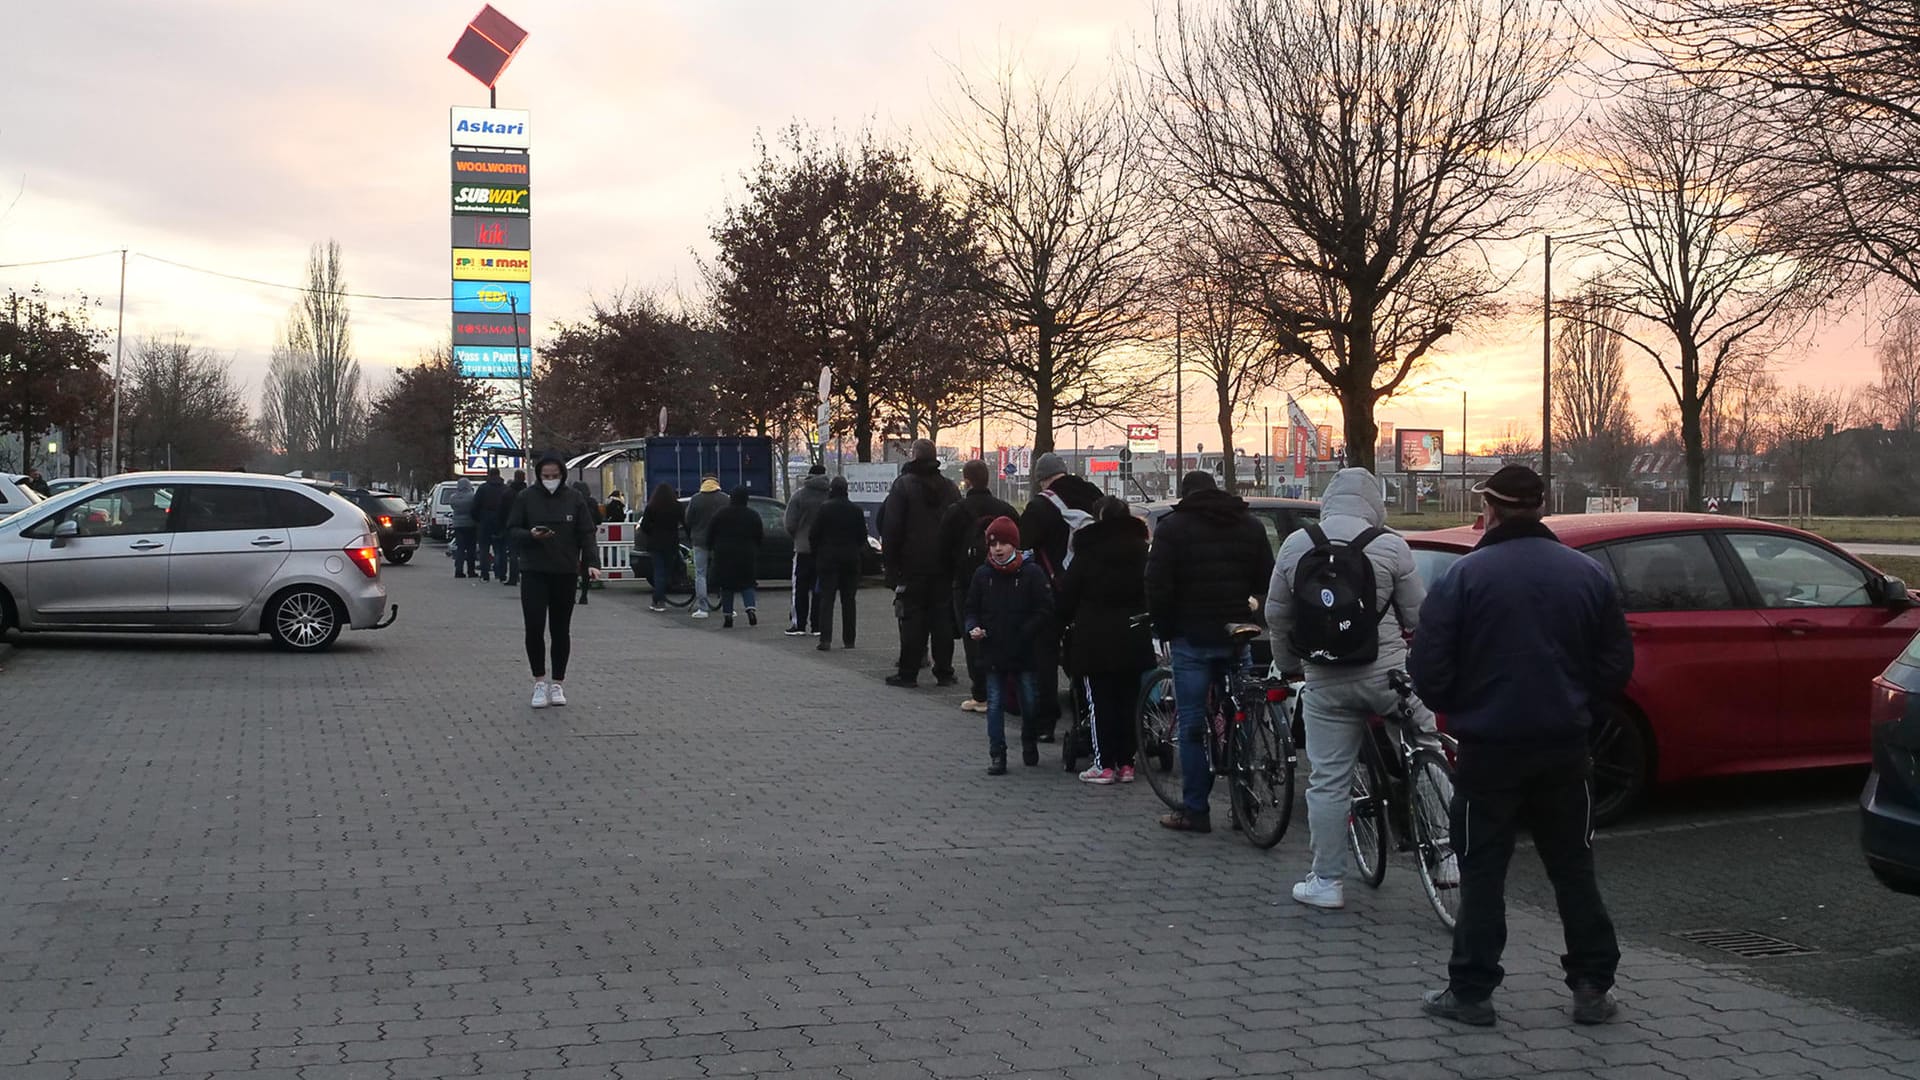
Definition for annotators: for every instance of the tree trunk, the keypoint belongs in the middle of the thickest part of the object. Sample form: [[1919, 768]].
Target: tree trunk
[[1223, 393], [1043, 393], [863, 422], [1356, 412], [1692, 440]]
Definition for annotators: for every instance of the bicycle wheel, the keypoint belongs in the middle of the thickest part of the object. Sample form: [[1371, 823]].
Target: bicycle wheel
[[1367, 817], [1262, 782], [1430, 794], [1159, 726], [679, 591]]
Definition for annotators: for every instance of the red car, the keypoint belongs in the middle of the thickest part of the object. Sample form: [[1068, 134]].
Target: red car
[[1755, 646]]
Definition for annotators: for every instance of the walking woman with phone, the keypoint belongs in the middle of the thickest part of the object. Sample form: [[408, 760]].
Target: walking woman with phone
[[551, 527]]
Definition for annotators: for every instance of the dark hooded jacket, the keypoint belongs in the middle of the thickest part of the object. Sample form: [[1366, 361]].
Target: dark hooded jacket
[[1016, 608], [910, 523], [966, 520], [572, 544], [1044, 527], [1209, 557], [838, 535], [735, 537], [490, 502], [1101, 594], [662, 526]]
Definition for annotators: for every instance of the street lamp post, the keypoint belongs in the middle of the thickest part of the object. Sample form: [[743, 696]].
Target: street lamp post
[[1546, 377]]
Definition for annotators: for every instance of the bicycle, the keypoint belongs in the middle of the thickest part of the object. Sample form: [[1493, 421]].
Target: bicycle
[[679, 590], [1425, 782], [1245, 746]]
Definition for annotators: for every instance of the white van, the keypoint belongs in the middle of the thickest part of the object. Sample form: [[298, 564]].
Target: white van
[[440, 510]]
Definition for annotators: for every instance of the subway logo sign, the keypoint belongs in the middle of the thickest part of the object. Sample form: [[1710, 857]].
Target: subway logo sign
[[491, 199]]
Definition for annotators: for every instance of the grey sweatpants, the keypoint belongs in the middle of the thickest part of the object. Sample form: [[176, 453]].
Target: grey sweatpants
[[1337, 715]]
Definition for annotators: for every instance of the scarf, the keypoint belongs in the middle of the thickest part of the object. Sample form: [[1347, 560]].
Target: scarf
[[1013, 563]]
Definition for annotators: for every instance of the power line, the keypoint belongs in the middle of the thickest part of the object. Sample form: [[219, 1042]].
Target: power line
[[68, 259], [222, 274]]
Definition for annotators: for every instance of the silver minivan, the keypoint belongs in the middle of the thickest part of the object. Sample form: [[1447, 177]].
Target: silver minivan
[[205, 553]]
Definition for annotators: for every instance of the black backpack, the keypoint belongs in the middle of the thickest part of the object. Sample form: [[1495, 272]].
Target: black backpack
[[1334, 621], [973, 547]]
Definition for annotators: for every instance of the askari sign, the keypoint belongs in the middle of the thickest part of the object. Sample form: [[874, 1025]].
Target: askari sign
[[491, 258]]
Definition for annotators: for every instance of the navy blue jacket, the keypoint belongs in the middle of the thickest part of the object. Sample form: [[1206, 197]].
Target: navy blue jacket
[[1017, 611], [1519, 638]]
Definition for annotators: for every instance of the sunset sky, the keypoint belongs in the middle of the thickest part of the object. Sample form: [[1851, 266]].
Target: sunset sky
[[232, 134]]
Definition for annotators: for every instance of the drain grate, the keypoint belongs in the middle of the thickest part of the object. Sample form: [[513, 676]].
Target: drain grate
[[1745, 944]]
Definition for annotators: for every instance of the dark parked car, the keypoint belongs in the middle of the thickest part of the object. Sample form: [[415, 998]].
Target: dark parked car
[[397, 523], [1890, 804], [1754, 645]]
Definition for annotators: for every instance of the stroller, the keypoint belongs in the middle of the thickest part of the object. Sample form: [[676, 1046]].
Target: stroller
[[1077, 744]]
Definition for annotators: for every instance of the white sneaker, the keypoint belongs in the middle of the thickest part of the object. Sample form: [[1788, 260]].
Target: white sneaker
[[1446, 872], [973, 706], [1097, 775], [540, 694], [1319, 892], [701, 613], [556, 695]]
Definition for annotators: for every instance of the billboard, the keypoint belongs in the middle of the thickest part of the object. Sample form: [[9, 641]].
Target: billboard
[[476, 231], [1419, 450], [1326, 442], [1143, 438], [490, 167], [1303, 439], [500, 296], [491, 362], [504, 129], [483, 264], [506, 199], [490, 328]]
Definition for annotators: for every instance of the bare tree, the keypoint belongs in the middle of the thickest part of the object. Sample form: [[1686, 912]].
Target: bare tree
[[1517, 445], [1836, 90], [1225, 335], [286, 424], [183, 409], [1364, 152], [1801, 433], [1057, 186], [1593, 409], [1896, 396], [315, 406], [1697, 252]]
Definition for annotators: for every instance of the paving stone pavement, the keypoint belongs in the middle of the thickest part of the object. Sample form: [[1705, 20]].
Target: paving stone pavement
[[725, 858]]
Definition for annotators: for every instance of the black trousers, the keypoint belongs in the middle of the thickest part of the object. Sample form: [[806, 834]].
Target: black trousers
[[1046, 670], [546, 604], [840, 582], [976, 667], [925, 610], [1110, 698], [1495, 790], [805, 579]]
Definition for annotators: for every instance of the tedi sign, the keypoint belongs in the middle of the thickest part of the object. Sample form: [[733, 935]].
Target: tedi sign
[[505, 129]]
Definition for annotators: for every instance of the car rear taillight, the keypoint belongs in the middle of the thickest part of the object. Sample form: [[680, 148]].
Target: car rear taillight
[[1889, 703], [367, 558], [1277, 694], [386, 521]]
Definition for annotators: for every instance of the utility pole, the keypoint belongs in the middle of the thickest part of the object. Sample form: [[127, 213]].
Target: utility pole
[[119, 345], [1546, 378], [1179, 444], [519, 372]]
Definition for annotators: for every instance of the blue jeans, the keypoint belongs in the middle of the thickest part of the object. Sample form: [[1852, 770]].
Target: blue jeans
[[702, 558], [1194, 669], [662, 573], [997, 706], [748, 594]]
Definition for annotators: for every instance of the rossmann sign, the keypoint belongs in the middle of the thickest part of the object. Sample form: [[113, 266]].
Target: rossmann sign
[[505, 129], [492, 328], [480, 264], [489, 199]]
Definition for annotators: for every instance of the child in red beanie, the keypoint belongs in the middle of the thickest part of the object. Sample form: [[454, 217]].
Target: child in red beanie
[[1009, 610]]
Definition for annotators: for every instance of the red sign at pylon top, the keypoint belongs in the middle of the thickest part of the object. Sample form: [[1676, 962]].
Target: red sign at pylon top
[[488, 46]]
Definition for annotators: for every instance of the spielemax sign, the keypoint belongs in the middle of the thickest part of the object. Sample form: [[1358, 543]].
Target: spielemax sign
[[1420, 450], [482, 264], [502, 129]]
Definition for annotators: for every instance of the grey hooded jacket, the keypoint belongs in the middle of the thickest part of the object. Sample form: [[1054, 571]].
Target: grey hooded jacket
[[1351, 506], [802, 509], [461, 503]]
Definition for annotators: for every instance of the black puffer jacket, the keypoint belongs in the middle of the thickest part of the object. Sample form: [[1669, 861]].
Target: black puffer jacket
[[661, 525], [838, 536], [910, 523], [1209, 557], [1101, 593], [735, 537], [572, 544], [1044, 530], [1016, 609]]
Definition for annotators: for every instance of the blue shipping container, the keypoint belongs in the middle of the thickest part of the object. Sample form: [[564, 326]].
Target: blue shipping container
[[683, 460]]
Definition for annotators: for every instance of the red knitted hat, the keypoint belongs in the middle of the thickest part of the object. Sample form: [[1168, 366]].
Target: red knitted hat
[[1004, 530]]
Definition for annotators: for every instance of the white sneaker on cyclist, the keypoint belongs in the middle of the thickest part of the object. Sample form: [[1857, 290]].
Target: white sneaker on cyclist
[[1318, 892], [1446, 872], [701, 613], [1097, 775]]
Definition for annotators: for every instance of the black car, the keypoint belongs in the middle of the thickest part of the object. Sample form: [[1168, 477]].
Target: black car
[[1890, 804], [397, 523], [776, 545]]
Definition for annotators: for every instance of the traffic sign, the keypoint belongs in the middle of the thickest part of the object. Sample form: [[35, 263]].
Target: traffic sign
[[494, 438], [1126, 453]]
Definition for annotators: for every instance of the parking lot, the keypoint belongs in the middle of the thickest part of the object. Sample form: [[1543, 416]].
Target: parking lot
[[733, 856]]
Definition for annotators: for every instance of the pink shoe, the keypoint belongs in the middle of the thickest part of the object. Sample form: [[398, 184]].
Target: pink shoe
[[1097, 775], [1126, 774]]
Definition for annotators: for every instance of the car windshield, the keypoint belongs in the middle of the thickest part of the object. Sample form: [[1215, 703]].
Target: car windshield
[[1433, 563]]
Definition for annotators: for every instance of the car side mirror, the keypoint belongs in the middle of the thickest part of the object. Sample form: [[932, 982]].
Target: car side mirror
[[65, 531], [1893, 593]]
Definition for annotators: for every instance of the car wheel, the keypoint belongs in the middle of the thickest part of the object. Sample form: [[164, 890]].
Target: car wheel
[[1622, 761], [400, 556], [305, 619]]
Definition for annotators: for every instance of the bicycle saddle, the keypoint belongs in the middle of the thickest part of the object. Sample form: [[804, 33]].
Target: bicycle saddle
[[1241, 631]]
